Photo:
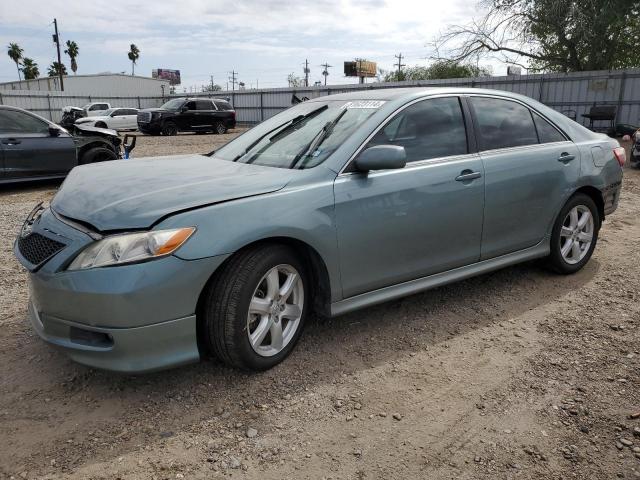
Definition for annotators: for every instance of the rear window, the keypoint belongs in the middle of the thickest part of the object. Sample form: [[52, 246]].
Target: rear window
[[203, 105], [547, 132], [503, 123], [222, 105]]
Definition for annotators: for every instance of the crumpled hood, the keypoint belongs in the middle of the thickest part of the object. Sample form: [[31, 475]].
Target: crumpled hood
[[134, 194]]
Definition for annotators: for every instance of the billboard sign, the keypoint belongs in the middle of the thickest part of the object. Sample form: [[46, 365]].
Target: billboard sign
[[173, 76], [360, 68]]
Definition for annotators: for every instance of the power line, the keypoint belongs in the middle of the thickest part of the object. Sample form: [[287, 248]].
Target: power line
[[325, 72], [399, 64], [306, 73]]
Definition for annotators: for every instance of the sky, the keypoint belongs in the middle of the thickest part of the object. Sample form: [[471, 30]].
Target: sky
[[263, 40]]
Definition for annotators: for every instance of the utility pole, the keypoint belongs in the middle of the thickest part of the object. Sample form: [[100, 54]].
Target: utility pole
[[306, 73], [399, 64], [56, 40], [233, 79], [325, 72], [211, 82]]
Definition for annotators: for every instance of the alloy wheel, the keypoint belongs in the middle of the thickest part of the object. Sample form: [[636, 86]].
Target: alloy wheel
[[275, 310], [576, 234]]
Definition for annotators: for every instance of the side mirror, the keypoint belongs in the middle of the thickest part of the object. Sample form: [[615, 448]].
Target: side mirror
[[54, 132], [381, 157]]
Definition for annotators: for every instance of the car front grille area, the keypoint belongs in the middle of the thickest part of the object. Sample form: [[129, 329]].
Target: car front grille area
[[144, 117], [37, 248]]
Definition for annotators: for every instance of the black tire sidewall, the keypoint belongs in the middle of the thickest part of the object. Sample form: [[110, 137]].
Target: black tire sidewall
[[224, 129], [246, 277], [90, 155], [557, 261], [170, 129]]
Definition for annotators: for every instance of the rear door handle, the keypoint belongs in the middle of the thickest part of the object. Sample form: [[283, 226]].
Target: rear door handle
[[11, 141], [566, 157], [467, 176]]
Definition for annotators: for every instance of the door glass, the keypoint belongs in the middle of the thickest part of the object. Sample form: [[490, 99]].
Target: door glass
[[203, 105], [503, 123], [547, 133], [428, 129], [13, 121], [190, 105]]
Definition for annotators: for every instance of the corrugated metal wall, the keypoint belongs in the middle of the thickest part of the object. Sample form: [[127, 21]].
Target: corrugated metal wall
[[572, 94]]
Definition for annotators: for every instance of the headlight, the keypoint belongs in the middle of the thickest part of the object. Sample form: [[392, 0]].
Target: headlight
[[156, 114], [130, 248]]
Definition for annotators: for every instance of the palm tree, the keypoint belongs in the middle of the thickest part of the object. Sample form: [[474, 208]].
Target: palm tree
[[56, 68], [134, 55], [15, 53], [72, 50], [30, 69]]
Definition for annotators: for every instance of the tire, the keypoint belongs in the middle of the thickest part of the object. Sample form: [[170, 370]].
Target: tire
[[98, 154], [226, 325], [564, 258], [101, 125], [221, 128], [169, 129]]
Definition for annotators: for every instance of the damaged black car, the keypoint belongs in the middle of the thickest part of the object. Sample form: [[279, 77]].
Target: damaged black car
[[32, 147]]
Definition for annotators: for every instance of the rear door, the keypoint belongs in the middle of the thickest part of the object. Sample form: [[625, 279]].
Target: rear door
[[30, 150], [206, 115], [399, 225], [530, 169]]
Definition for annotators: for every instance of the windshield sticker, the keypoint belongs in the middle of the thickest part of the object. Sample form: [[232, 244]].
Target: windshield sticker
[[363, 104]]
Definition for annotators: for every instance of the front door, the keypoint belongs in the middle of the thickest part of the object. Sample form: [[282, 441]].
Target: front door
[[530, 169], [399, 225], [30, 150]]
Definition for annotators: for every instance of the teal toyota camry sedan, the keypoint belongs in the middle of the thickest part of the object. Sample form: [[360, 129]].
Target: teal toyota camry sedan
[[336, 204]]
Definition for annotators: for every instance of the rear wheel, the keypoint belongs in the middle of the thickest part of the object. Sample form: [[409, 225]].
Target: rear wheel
[[169, 129], [574, 234], [255, 308], [220, 128], [98, 154]]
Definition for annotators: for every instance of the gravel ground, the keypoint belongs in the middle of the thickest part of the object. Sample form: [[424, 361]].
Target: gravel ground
[[518, 374]]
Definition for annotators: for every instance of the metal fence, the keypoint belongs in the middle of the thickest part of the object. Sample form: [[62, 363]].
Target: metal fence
[[573, 94]]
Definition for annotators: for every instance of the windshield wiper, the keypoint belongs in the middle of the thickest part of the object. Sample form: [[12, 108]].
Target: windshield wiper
[[287, 127], [318, 139]]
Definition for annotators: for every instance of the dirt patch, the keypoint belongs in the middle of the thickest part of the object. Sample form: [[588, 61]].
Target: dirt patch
[[516, 374]]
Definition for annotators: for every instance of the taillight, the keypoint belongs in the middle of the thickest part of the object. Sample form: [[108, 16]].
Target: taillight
[[621, 155]]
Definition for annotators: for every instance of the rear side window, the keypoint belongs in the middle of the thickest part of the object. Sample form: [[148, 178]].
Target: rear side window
[[503, 123], [204, 105], [428, 129], [547, 133], [222, 105], [14, 122]]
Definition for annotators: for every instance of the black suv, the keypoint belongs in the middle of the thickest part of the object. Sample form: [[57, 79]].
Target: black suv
[[188, 115]]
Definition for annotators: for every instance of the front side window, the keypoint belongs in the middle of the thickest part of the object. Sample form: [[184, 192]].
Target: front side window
[[15, 122], [174, 104], [547, 133], [503, 123], [431, 128]]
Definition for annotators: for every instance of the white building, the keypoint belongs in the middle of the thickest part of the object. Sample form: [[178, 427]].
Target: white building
[[100, 85]]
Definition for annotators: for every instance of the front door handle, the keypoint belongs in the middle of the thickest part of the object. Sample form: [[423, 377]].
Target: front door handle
[[11, 141], [566, 157], [467, 176]]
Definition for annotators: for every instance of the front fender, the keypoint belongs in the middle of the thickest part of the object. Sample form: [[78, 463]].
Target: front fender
[[302, 213]]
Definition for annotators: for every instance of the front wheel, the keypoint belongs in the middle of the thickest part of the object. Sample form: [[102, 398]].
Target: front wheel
[[255, 308], [574, 234], [169, 129], [98, 154]]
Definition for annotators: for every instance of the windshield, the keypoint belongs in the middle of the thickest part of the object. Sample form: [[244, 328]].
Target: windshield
[[301, 137], [174, 104]]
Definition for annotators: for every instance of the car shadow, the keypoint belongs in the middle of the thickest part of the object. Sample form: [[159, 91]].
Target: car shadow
[[328, 350]]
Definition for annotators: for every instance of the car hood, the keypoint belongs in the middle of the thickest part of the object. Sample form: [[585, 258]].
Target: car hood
[[135, 194]]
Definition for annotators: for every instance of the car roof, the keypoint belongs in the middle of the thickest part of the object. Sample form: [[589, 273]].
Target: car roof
[[408, 92]]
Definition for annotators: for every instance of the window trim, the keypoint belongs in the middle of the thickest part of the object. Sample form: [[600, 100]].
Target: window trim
[[515, 100], [28, 114], [471, 150]]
